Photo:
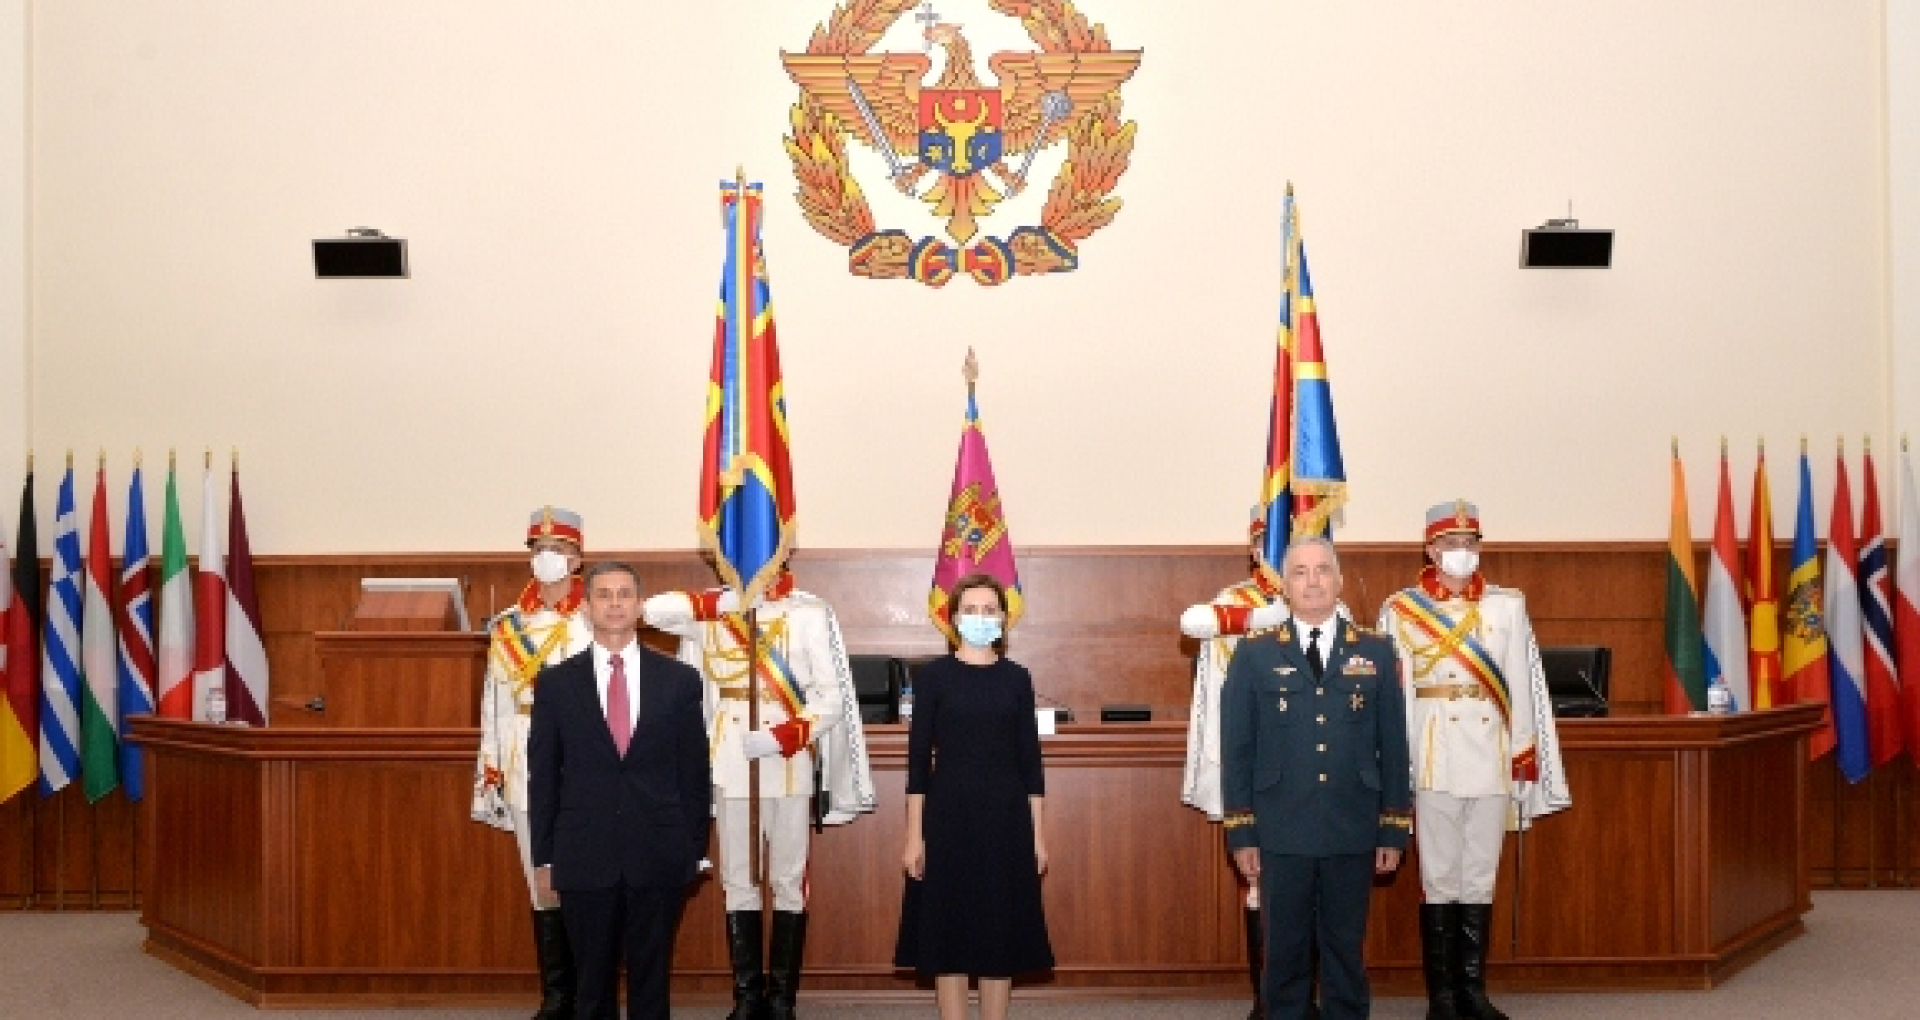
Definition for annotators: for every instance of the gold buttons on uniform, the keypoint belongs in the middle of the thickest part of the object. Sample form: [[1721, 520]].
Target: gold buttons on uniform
[[1323, 777], [1322, 749], [1319, 718]]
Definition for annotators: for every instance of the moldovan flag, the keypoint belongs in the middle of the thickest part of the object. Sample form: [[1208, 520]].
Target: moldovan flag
[[20, 656], [1724, 627], [1846, 668], [176, 613], [1763, 598], [246, 653], [99, 658], [1686, 674], [746, 477], [974, 537], [209, 605], [1906, 604], [1804, 635], [1876, 616], [60, 650], [135, 617]]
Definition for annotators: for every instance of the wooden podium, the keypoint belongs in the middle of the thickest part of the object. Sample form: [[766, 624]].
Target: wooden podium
[[401, 663]]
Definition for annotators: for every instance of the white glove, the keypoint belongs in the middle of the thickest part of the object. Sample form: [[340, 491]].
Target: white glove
[[1271, 615], [729, 601], [760, 744]]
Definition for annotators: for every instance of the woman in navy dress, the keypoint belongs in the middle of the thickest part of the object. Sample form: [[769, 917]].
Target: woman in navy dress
[[976, 845]]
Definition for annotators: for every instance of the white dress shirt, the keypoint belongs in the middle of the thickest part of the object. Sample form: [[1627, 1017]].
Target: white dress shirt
[[603, 672]]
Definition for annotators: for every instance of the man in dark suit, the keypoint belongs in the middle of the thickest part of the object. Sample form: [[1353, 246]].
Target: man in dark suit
[[1315, 784], [620, 798]]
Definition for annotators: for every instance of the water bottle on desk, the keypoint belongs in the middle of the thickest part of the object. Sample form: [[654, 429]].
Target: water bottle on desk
[[216, 704], [1719, 699], [906, 700]]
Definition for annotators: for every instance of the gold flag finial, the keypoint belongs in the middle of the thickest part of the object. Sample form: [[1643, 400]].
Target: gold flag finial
[[970, 371], [69, 458], [1676, 446], [1903, 448], [1866, 443], [103, 458], [236, 458], [209, 460], [172, 458], [136, 458], [1803, 444], [1763, 446], [1842, 445], [1723, 445]]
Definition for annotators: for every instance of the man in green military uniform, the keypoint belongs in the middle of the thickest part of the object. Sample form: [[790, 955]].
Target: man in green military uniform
[[1314, 778]]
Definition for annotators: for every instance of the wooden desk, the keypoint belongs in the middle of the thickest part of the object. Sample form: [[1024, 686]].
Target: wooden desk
[[337, 866]]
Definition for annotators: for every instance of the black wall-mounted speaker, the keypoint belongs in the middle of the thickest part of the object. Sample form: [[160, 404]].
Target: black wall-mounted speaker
[[1566, 248], [360, 258]]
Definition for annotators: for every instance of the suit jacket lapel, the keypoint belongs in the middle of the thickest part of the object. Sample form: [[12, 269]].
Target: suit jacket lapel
[[589, 691]]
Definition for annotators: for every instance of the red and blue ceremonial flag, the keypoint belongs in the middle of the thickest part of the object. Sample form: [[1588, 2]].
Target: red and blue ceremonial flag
[[1846, 667], [1305, 481], [1882, 679], [746, 478], [1804, 631], [974, 537]]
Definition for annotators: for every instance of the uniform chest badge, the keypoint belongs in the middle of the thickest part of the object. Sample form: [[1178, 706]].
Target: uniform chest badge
[[1283, 704], [1283, 670], [1358, 701], [1358, 666]]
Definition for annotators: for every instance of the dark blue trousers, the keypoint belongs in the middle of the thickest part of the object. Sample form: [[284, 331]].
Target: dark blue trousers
[[1309, 899], [624, 923]]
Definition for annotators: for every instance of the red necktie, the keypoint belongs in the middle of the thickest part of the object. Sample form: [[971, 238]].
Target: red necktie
[[617, 721]]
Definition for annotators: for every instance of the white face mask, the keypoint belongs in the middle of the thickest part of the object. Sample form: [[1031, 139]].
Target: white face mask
[[549, 566], [1459, 562]]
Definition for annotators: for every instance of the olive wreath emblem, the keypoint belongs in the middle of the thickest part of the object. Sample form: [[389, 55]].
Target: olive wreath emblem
[[976, 140]]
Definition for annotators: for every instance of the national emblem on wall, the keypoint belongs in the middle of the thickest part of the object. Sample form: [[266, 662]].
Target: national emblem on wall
[[956, 147]]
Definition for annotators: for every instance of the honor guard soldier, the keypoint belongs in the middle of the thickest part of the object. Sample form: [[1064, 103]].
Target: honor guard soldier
[[1486, 755], [544, 626], [809, 739], [1314, 785]]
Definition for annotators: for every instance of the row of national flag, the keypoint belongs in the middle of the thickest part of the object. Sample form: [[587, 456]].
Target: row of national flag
[[1847, 631], [89, 647]]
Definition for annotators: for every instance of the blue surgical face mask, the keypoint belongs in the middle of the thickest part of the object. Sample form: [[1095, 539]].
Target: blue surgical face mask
[[979, 631]]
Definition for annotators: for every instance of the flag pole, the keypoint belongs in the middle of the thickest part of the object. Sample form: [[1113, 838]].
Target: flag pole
[[31, 859], [755, 858]]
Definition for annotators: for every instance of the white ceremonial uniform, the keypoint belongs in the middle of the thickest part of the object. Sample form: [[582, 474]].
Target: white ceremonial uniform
[[1477, 770], [1218, 626], [523, 639], [802, 630]]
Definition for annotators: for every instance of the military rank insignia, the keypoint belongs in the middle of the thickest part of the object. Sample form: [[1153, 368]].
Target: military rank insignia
[[961, 144]]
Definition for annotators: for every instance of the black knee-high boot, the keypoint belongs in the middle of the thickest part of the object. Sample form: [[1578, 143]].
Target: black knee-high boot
[[557, 976], [1437, 923], [1471, 939], [789, 944], [743, 951]]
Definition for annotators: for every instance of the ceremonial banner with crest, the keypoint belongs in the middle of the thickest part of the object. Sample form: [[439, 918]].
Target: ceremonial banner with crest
[[746, 480], [1803, 630], [974, 537], [1305, 482]]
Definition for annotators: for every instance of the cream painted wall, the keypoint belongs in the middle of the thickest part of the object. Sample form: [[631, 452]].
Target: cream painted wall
[[553, 166], [1903, 215], [13, 259]]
